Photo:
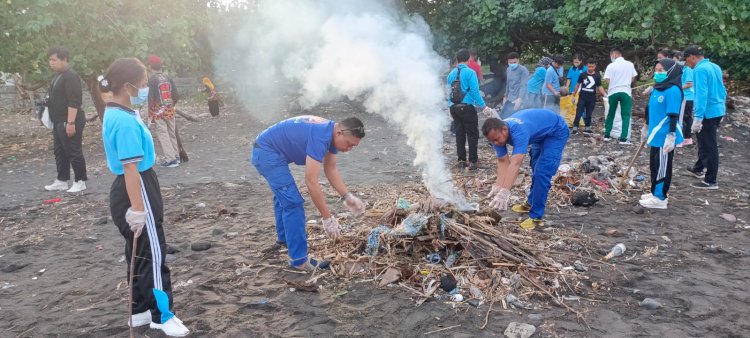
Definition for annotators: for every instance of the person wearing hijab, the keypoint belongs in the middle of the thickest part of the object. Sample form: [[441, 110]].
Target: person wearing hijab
[[213, 96], [534, 85], [662, 131]]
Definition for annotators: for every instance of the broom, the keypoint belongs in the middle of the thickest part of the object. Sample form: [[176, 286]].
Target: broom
[[130, 283]]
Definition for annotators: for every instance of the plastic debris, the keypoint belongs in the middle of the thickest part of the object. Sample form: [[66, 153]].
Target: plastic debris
[[411, 225], [617, 250], [373, 241], [53, 200], [433, 258]]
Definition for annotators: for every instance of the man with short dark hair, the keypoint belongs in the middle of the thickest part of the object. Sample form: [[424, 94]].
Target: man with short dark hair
[[515, 89], [551, 88], [546, 133], [311, 141], [710, 108], [64, 104], [619, 77], [162, 97], [464, 113]]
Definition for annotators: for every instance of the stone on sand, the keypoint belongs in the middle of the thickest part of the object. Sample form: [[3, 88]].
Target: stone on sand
[[535, 318], [729, 218], [650, 304], [100, 221], [519, 330], [200, 246]]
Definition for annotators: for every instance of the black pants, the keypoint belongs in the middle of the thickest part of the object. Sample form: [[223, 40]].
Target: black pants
[[69, 150], [152, 285], [708, 149], [660, 164], [687, 120], [467, 126], [213, 107], [585, 108]]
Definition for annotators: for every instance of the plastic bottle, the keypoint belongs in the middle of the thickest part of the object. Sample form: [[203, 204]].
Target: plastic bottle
[[617, 250]]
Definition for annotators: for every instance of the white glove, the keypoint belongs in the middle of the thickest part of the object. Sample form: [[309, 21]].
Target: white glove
[[500, 202], [494, 191], [573, 99], [136, 220], [489, 112], [355, 205], [669, 142], [331, 226], [644, 133], [648, 90], [517, 103], [697, 126]]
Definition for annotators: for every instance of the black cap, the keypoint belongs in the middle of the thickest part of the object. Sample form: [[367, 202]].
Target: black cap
[[693, 50]]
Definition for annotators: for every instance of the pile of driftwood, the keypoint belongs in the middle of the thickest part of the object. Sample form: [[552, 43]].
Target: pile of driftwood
[[436, 252]]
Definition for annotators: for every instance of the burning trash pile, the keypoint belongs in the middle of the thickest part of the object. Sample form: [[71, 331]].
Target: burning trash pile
[[437, 252]]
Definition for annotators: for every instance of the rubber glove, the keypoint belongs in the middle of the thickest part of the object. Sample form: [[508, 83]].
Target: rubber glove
[[331, 226], [697, 126], [500, 202], [136, 220], [495, 189], [355, 205], [669, 142]]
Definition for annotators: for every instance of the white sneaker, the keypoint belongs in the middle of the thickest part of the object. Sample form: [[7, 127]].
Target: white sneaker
[[647, 196], [57, 185], [654, 203], [173, 327], [77, 186], [140, 319]]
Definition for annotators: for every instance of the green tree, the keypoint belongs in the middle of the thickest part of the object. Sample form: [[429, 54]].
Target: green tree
[[97, 32]]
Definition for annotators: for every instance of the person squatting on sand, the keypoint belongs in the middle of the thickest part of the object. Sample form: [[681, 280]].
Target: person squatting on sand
[[546, 133], [662, 130], [311, 141], [135, 199]]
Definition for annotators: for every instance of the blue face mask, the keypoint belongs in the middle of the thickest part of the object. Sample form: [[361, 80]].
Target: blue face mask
[[513, 66], [142, 96], [660, 77]]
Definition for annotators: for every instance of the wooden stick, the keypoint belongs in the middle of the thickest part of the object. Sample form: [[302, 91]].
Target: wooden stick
[[632, 161], [130, 294], [443, 329], [487, 316]]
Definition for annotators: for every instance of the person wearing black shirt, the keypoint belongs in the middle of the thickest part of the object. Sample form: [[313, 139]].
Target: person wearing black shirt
[[588, 84], [64, 105]]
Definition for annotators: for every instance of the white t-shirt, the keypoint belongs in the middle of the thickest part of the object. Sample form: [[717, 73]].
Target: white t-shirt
[[620, 74]]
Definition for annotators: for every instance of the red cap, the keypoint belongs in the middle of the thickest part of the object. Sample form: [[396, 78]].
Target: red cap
[[154, 60]]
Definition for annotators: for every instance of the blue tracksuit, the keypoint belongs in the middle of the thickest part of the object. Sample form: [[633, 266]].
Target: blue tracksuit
[[469, 85], [291, 141], [710, 94], [546, 132]]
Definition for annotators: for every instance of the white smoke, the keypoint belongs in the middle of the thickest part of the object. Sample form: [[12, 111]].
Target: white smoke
[[359, 49]]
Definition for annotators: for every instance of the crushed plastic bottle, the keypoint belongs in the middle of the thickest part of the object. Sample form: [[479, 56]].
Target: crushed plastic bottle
[[617, 250]]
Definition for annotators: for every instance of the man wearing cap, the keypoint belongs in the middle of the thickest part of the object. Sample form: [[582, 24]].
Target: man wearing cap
[[311, 141], [709, 107], [162, 96]]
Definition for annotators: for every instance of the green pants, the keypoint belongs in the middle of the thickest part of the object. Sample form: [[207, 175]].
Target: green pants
[[626, 104]]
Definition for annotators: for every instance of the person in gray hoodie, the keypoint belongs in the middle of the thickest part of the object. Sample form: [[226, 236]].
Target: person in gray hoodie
[[515, 89]]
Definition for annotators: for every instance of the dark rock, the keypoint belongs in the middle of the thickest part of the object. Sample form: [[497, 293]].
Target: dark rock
[[216, 232], [638, 209], [535, 319], [100, 221], [12, 267], [171, 249], [583, 198], [650, 304], [474, 302], [200, 246], [447, 283], [170, 258]]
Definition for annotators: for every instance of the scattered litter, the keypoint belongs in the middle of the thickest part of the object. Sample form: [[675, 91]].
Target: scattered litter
[[650, 304], [53, 200], [729, 218], [617, 250], [729, 138]]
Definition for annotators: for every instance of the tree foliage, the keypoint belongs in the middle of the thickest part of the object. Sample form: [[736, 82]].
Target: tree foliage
[[96, 32], [592, 27]]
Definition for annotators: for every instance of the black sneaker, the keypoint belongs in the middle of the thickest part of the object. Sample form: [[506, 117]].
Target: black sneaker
[[705, 185], [698, 174], [587, 131], [462, 164], [171, 164], [575, 131]]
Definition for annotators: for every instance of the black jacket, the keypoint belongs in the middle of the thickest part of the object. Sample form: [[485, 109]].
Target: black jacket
[[64, 91]]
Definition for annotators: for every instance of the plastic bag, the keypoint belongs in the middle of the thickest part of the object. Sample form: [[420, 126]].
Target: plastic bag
[[46, 121]]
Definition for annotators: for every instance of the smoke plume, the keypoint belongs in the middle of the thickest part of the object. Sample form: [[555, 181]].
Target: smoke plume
[[366, 50]]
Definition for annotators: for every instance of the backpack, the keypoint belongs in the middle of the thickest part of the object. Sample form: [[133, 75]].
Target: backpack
[[457, 95], [164, 88]]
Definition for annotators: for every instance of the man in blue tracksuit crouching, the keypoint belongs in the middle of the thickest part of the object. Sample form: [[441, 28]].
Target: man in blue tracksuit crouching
[[313, 142], [546, 133]]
